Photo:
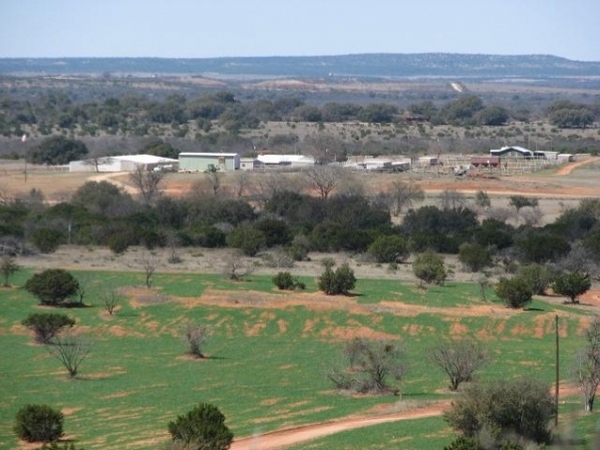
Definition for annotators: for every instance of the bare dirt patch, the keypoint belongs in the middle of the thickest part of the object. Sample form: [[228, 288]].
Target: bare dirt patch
[[287, 437]]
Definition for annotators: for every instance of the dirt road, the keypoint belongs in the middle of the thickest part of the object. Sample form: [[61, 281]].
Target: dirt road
[[292, 436], [281, 439], [566, 170]]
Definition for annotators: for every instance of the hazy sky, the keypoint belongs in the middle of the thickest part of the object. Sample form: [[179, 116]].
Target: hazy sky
[[212, 28]]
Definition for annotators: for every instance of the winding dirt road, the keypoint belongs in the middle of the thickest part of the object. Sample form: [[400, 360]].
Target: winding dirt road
[[566, 170], [280, 439], [292, 436]]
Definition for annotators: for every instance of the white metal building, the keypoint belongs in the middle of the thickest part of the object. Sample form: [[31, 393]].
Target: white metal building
[[125, 163], [286, 160]]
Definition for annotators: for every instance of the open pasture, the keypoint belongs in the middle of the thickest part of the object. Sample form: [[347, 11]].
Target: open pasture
[[266, 356]]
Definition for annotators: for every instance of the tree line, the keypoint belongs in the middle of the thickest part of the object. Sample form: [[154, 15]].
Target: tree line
[[135, 115], [275, 212]]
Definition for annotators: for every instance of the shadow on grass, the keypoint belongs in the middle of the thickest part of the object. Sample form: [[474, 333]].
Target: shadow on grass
[[215, 357], [70, 305]]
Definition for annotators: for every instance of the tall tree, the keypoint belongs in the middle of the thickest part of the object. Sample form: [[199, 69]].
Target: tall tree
[[324, 179], [57, 150], [458, 359], [587, 365], [403, 195], [572, 284], [147, 183]]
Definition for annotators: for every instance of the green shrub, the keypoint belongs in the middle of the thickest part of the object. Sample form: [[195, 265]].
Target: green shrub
[[389, 249], [39, 423], [515, 292], [429, 268], [47, 325], [572, 285], [474, 256], [521, 407], [285, 281], [248, 239], [46, 240], [340, 281], [52, 286], [118, 243], [464, 443], [203, 428]]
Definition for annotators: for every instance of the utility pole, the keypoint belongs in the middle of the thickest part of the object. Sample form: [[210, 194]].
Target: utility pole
[[24, 140], [557, 374]]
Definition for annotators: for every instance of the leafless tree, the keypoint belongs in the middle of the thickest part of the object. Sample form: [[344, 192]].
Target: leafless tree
[[370, 364], [71, 351], [500, 214], [83, 284], [241, 180], [580, 259], [214, 177], [324, 179], [8, 266], [459, 360], [236, 268], [450, 199], [146, 182], [173, 242], [195, 336], [270, 183], [149, 263], [351, 185], [587, 365], [403, 195], [484, 282], [110, 299], [532, 216], [96, 161], [482, 200], [324, 148]]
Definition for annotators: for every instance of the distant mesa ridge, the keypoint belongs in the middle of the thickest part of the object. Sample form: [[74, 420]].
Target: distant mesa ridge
[[380, 65]]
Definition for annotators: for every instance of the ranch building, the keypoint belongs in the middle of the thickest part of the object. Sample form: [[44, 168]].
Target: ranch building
[[125, 163], [512, 151], [288, 161], [249, 164], [201, 162], [485, 161]]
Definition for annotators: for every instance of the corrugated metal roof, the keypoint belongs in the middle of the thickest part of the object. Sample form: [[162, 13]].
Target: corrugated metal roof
[[281, 159], [144, 159], [209, 154]]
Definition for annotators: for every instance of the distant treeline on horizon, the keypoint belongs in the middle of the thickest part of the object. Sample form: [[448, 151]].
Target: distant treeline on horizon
[[358, 65]]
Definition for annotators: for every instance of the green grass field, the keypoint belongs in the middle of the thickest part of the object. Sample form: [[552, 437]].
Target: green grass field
[[265, 361]]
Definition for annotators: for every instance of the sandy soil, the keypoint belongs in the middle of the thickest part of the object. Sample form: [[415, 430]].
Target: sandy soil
[[291, 436]]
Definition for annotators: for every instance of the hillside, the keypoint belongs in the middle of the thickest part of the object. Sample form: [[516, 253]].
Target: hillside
[[359, 65]]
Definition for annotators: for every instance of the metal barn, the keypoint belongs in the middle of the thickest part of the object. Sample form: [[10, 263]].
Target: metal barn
[[201, 162], [124, 163]]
